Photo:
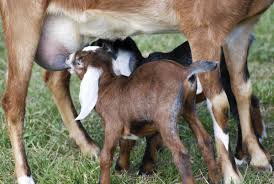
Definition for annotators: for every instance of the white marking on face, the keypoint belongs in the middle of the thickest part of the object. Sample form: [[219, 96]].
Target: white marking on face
[[90, 48], [26, 180], [89, 89], [121, 64], [69, 61], [199, 86], [218, 131]]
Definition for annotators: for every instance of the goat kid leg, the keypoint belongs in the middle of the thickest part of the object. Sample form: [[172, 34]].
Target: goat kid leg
[[150, 156], [112, 136], [21, 30], [179, 152], [204, 141], [235, 50], [58, 83], [209, 47], [123, 162]]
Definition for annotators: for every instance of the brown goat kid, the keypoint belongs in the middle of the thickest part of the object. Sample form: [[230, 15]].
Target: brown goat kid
[[143, 104]]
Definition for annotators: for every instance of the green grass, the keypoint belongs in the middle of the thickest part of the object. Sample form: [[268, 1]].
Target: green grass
[[54, 158]]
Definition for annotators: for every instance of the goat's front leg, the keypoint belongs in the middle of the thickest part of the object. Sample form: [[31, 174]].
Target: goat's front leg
[[206, 44], [58, 83], [21, 29], [236, 53], [112, 135]]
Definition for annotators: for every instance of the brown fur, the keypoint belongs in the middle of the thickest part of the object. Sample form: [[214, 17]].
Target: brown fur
[[138, 104], [203, 22]]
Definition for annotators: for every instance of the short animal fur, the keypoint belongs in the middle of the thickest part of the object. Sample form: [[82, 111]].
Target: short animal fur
[[143, 104], [49, 30]]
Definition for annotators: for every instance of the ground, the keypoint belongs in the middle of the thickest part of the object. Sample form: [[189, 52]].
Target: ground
[[54, 158]]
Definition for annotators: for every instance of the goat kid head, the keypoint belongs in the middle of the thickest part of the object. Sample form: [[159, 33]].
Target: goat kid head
[[89, 64]]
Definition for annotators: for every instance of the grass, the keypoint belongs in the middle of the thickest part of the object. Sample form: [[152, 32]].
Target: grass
[[54, 158]]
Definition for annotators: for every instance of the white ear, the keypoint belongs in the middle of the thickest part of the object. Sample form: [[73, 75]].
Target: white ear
[[89, 91]]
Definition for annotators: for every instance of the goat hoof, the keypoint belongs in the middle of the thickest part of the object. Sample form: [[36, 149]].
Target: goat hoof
[[119, 167], [263, 164], [215, 176], [146, 169], [233, 177], [26, 180]]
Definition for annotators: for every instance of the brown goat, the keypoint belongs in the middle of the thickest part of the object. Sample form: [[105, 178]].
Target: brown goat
[[143, 105], [49, 30]]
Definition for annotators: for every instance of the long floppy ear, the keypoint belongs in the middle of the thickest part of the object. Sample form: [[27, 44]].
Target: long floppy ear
[[89, 91]]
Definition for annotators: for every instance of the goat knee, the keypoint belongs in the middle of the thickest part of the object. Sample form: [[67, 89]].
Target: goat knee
[[14, 107]]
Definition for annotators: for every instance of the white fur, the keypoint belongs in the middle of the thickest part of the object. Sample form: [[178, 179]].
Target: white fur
[[199, 86], [90, 48], [89, 91], [240, 162], [69, 61], [218, 131], [26, 180], [111, 24], [131, 137], [246, 89], [121, 64], [264, 134]]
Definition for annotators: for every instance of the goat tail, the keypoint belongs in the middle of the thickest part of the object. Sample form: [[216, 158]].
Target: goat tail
[[201, 67]]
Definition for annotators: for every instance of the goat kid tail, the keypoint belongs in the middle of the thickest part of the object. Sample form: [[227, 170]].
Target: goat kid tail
[[201, 67]]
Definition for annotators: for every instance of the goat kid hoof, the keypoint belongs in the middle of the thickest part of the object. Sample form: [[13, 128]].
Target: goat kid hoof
[[119, 168], [146, 170], [215, 178], [26, 180]]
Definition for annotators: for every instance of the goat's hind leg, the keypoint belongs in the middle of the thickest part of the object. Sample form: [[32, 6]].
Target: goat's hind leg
[[256, 117], [178, 150], [123, 162], [206, 43], [58, 83], [153, 144], [235, 50]]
